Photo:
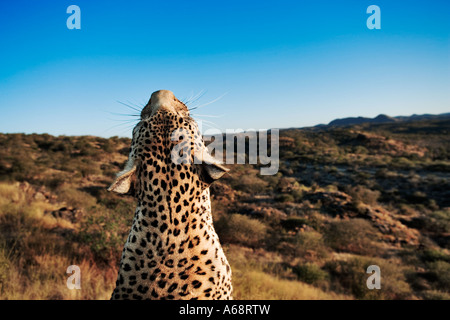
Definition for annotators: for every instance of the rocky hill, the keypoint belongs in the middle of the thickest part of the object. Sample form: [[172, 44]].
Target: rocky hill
[[343, 199], [382, 118]]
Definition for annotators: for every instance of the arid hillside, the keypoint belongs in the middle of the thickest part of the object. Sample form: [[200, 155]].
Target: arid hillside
[[343, 199]]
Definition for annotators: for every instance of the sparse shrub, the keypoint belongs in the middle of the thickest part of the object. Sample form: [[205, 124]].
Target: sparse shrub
[[84, 148], [5, 266], [432, 255], [417, 197], [360, 150], [284, 197], [402, 162], [22, 167], [55, 182], [362, 194], [297, 194], [286, 184], [407, 210], [101, 236], [43, 141], [251, 184], [439, 221], [107, 145], [293, 223], [76, 198], [86, 169], [62, 147], [308, 245], [288, 190], [363, 176], [332, 169], [384, 173], [331, 188], [273, 180], [237, 228], [440, 274], [108, 170], [353, 236], [310, 273], [351, 276], [435, 295]]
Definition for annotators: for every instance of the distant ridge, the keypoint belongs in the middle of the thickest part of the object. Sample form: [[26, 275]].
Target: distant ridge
[[382, 118]]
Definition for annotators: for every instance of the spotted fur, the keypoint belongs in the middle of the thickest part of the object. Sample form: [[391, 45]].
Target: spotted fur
[[172, 251]]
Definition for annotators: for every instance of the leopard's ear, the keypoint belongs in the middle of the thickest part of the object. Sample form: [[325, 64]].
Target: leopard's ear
[[213, 171], [210, 168], [124, 182]]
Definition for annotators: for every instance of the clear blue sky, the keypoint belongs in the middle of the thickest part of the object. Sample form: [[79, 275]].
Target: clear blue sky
[[273, 63]]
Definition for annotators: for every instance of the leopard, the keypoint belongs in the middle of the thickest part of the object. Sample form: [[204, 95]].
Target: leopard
[[172, 251]]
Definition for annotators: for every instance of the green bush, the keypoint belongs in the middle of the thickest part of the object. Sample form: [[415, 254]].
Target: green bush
[[310, 273], [362, 194], [284, 197], [440, 221], [251, 184], [105, 232], [355, 236], [432, 255], [22, 167], [237, 228], [440, 274], [308, 245]]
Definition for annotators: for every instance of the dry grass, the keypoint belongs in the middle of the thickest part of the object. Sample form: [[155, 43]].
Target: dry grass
[[257, 285], [46, 279], [254, 279], [34, 258]]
